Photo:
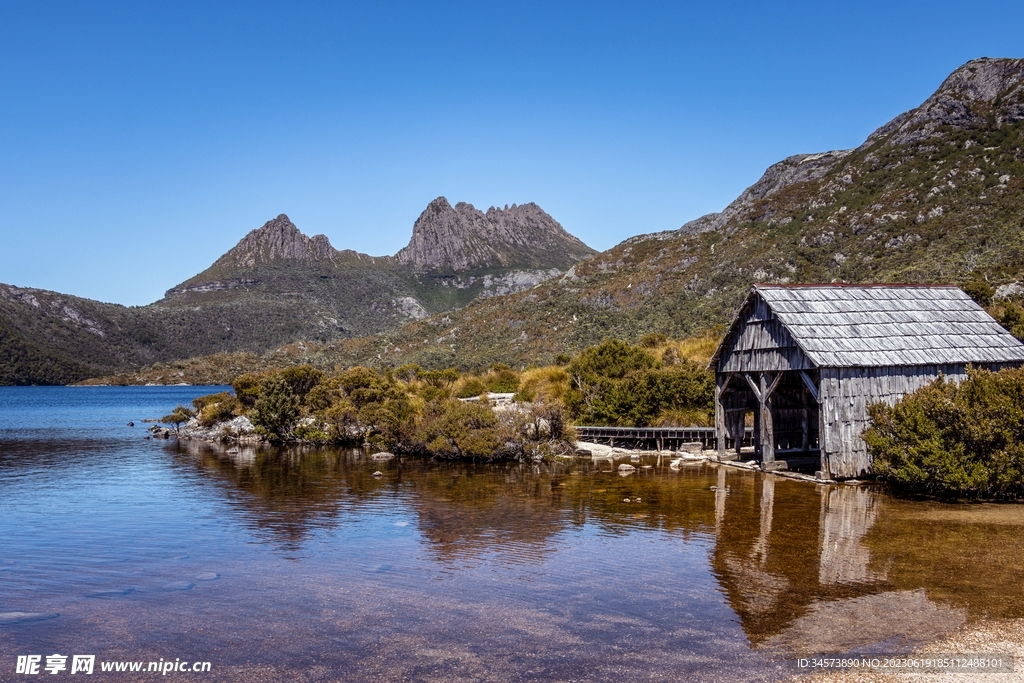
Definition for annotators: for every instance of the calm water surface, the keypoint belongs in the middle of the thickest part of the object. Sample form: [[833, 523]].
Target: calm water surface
[[302, 566]]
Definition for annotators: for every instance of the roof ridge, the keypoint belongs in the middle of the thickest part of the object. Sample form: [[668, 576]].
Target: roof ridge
[[850, 285]]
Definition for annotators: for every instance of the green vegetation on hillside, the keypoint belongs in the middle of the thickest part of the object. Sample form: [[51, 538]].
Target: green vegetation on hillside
[[22, 362]]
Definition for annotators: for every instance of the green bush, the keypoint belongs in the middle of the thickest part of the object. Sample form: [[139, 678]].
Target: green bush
[[502, 379], [652, 340], [949, 440], [361, 405], [457, 429], [178, 416], [617, 384], [276, 410], [474, 386], [301, 379], [247, 388], [1012, 318], [216, 408]]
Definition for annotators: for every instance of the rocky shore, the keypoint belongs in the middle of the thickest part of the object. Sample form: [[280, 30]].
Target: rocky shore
[[236, 430], [686, 453]]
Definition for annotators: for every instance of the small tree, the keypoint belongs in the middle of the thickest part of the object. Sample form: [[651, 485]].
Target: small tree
[[276, 409], [178, 416]]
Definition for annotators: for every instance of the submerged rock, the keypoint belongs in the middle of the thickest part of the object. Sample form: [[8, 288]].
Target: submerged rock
[[179, 586], [626, 468], [111, 593], [24, 617], [383, 455], [207, 576]]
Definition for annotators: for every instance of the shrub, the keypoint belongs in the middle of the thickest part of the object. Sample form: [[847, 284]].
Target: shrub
[[979, 290], [276, 409], [952, 440], [502, 379], [456, 429], [440, 379], [323, 395], [364, 386], [301, 379], [408, 372], [543, 384], [652, 340], [216, 408], [178, 416], [247, 388], [616, 384], [471, 386], [1012, 318]]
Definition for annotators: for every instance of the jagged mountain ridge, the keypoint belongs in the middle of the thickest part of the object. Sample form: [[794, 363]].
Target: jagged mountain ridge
[[463, 238], [277, 286]]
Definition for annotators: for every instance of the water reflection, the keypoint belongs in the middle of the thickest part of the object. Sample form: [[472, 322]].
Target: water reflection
[[805, 568], [847, 514], [535, 572]]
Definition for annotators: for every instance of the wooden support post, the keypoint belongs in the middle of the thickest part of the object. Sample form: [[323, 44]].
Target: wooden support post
[[757, 430], [739, 429], [767, 433], [805, 428], [720, 417]]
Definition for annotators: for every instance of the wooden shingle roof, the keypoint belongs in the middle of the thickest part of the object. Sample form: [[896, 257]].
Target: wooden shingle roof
[[885, 325]]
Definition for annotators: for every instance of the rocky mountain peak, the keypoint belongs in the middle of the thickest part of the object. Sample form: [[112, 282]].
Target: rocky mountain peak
[[984, 79], [981, 93], [276, 240], [461, 238]]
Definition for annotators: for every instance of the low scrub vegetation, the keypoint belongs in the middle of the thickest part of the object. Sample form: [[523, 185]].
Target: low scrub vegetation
[[649, 384], [954, 440], [412, 410]]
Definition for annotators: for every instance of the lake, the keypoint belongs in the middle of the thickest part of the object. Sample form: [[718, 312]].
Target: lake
[[300, 565]]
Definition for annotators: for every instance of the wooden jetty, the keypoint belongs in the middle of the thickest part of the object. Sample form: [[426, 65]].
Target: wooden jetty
[[657, 438]]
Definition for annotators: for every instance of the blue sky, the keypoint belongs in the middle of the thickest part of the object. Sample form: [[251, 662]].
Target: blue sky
[[139, 141]]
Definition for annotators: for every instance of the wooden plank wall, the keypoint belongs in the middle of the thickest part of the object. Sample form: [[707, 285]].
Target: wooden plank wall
[[762, 344], [845, 395]]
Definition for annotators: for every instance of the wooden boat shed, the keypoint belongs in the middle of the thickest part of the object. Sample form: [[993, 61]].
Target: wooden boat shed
[[807, 360]]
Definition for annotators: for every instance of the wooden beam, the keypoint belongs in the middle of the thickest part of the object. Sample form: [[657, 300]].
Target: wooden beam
[[810, 385], [774, 385], [753, 387]]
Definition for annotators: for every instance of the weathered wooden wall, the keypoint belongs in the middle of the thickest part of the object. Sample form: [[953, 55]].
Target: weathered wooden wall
[[762, 344], [845, 395]]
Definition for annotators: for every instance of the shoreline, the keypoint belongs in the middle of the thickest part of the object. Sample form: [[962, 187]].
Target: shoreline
[[983, 637], [604, 452]]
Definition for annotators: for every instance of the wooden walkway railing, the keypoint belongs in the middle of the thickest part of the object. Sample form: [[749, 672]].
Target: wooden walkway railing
[[660, 438]]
